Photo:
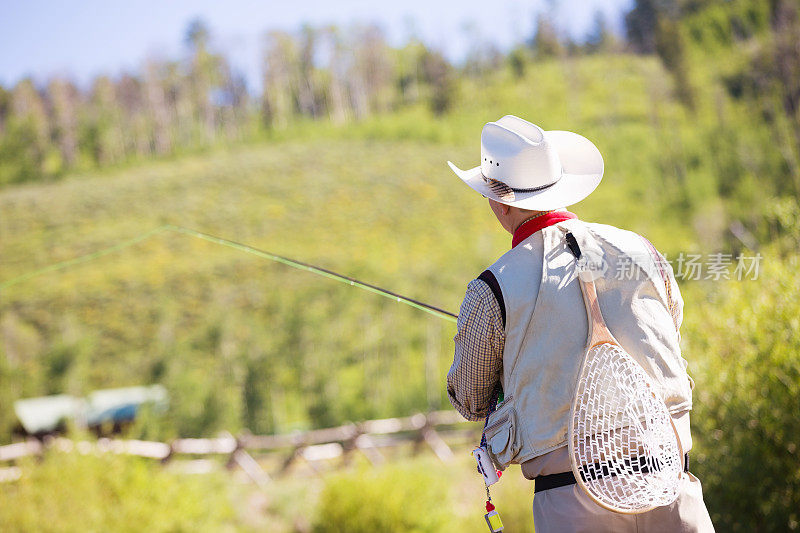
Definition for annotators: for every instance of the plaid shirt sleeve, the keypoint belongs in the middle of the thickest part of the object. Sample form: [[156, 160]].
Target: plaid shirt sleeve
[[478, 359]]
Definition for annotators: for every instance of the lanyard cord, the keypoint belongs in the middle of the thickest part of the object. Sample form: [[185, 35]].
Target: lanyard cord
[[498, 390]]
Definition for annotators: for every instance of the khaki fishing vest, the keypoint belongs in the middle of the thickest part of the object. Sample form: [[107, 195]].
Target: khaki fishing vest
[[547, 327]]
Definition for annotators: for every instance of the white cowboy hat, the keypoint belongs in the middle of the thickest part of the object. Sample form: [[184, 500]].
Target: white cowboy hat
[[524, 166]]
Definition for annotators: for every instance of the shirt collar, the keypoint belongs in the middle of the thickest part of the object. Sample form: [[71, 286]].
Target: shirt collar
[[532, 225]]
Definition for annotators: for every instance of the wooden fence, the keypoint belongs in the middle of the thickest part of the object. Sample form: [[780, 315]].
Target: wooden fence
[[313, 446]]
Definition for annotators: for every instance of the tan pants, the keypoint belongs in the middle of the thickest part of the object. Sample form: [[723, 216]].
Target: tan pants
[[569, 510]]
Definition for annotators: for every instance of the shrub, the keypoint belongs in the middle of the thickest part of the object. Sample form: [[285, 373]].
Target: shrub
[[74, 492], [743, 343], [422, 494], [396, 498]]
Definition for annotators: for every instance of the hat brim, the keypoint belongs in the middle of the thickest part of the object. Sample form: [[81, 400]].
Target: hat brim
[[582, 167]]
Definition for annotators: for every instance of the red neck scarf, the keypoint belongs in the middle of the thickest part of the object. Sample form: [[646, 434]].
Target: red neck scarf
[[532, 225]]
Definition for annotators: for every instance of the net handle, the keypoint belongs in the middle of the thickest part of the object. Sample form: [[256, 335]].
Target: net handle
[[598, 330]]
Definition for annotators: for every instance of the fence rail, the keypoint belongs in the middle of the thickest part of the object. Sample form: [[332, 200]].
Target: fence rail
[[312, 446]]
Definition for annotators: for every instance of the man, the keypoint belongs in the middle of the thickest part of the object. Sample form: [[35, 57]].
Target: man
[[522, 326]]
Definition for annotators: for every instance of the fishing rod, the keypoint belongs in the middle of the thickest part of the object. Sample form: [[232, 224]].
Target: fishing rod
[[428, 308], [300, 265]]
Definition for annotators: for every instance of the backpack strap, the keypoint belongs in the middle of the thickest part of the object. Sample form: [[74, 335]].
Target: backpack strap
[[489, 278]]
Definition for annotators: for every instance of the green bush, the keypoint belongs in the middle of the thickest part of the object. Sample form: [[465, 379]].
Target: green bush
[[396, 498], [74, 492], [421, 494], [744, 351]]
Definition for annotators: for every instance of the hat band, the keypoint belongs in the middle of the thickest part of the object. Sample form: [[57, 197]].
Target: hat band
[[515, 189]]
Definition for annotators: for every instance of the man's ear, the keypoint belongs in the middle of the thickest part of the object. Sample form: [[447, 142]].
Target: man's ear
[[506, 209]]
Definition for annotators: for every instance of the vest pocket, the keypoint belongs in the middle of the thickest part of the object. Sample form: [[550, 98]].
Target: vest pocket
[[501, 435]]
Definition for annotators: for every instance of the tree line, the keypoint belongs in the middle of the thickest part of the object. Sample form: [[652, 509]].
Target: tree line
[[341, 75], [168, 106]]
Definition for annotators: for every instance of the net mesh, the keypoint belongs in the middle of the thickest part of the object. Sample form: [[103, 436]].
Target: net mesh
[[624, 447]]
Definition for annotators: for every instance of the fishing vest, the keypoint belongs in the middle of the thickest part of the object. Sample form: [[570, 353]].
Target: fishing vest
[[546, 330]]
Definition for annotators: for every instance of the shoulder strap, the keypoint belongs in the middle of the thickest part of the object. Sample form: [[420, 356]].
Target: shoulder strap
[[488, 277]]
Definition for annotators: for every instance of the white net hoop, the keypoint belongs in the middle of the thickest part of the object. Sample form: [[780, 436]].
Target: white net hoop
[[623, 446]]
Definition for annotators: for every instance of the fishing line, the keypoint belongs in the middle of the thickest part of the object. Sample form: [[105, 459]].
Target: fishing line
[[330, 274], [84, 258]]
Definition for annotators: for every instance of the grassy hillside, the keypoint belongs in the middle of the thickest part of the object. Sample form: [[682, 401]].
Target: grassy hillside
[[244, 343], [207, 321]]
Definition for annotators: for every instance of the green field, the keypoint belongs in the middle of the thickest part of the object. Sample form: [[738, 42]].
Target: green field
[[204, 319], [240, 342]]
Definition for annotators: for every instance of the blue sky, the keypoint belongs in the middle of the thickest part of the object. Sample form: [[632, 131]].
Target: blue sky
[[84, 38]]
